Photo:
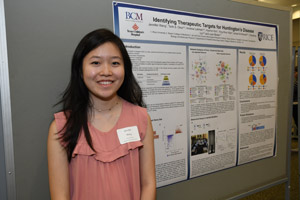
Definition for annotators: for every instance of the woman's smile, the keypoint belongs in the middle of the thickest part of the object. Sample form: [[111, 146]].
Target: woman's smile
[[103, 71]]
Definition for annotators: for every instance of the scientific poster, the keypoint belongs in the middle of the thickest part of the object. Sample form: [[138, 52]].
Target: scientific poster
[[210, 85]]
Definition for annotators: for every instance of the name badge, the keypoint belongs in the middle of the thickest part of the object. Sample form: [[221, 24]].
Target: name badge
[[128, 134]]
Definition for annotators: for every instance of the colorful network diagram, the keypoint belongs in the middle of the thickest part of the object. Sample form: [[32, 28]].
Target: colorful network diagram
[[224, 71], [199, 71]]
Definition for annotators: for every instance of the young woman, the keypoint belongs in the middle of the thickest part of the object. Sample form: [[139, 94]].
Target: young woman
[[101, 145]]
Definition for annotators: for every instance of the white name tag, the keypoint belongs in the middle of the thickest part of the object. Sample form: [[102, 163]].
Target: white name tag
[[128, 134]]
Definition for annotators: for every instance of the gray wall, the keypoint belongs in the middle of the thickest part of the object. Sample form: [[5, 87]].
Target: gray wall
[[42, 36]]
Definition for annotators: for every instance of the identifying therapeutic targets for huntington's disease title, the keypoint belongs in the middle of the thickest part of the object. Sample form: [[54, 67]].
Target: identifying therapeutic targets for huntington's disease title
[[210, 85]]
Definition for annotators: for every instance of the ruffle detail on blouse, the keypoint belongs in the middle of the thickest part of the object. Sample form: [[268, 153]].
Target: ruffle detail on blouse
[[106, 156]]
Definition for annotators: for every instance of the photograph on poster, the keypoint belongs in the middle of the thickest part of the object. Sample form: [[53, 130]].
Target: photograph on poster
[[199, 144], [211, 141]]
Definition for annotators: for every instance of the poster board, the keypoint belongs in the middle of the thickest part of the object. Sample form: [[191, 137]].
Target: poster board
[[39, 58], [210, 87]]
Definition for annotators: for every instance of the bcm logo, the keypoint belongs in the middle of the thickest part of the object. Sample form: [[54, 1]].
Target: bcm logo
[[134, 16]]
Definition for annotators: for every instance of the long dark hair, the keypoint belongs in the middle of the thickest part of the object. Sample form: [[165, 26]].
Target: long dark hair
[[76, 100]]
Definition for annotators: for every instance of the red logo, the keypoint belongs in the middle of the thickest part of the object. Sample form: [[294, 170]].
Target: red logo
[[135, 27]]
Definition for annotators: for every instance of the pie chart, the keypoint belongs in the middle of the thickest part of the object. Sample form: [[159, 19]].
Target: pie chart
[[263, 79], [252, 60], [252, 79], [262, 61]]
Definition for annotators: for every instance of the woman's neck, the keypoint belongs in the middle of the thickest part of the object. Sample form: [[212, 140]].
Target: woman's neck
[[105, 119], [102, 106]]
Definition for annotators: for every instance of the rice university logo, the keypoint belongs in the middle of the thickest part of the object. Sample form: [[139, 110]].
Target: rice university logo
[[262, 36]]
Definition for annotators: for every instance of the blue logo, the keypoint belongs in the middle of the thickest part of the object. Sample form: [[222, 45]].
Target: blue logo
[[134, 16]]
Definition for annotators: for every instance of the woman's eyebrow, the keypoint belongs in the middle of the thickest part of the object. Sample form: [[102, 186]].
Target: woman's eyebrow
[[92, 57], [113, 57], [118, 57]]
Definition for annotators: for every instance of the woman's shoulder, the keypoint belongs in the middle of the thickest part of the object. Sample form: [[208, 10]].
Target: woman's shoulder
[[134, 106], [60, 120], [139, 111], [60, 115], [137, 114]]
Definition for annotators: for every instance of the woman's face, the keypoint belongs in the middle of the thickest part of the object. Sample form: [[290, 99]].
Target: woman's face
[[103, 71]]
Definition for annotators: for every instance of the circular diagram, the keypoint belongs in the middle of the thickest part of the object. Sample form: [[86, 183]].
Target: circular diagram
[[252, 60], [224, 70], [199, 71], [262, 61], [252, 79], [263, 79]]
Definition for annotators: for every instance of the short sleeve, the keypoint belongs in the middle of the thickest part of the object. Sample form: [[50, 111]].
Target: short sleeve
[[143, 121], [60, 120]]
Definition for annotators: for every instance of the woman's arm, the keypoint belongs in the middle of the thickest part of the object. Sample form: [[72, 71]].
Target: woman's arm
[[57, 166], [147, 164]]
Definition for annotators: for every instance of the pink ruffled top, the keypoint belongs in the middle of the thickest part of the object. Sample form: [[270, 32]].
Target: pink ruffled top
[[112, 172]]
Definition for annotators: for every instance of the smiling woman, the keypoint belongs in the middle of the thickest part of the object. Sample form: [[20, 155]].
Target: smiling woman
[[101, 145], [103, 73]]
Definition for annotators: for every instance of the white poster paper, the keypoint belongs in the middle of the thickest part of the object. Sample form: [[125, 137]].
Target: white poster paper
[[161, 73], [176, 26], [257, 104], [210, 85]]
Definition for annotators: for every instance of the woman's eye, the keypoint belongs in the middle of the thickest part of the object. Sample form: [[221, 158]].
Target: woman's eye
[[95, 63], [116, 63]]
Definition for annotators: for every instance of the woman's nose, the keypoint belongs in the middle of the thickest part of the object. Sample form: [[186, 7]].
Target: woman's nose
[[106, 69]]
